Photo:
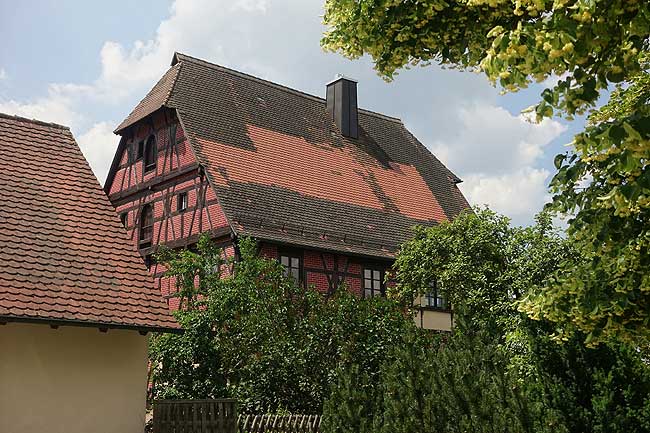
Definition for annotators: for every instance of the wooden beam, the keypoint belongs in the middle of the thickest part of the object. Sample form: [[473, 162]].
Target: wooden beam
[[158, 183]]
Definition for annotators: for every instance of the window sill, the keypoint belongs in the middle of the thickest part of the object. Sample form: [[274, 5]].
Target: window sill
[[438, 309]]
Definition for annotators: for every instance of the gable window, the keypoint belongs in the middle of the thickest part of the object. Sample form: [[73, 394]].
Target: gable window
[[150, 154], [124, 218], [292, 265], [130, 153], [373, 282], [140, 153], [181, 202], [433, 299], [146, 223]]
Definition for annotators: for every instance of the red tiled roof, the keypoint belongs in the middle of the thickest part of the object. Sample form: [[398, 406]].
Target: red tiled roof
[[64, 256], [283, 172]]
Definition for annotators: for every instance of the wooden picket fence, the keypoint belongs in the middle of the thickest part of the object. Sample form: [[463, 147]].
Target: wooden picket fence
[[195, 416], [220, 416], [278, 423]]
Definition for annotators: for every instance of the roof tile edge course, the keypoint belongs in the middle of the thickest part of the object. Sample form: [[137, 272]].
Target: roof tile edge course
[[34, 121]]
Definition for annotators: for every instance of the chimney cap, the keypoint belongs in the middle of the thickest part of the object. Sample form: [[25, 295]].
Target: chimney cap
[[341, 77]]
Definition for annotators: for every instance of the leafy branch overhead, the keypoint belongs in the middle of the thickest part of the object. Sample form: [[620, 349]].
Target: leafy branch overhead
[[590, 44]]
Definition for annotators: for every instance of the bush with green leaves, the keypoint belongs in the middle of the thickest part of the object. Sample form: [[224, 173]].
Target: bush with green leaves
[[253, 334]]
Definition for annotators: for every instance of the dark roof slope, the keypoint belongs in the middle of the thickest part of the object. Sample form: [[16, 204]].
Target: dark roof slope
[[282, 171], [64, 256]]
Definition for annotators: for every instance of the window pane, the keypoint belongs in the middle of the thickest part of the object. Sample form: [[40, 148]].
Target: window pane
[[367, 283], [367, 273], [376, 275], [295, 272], [376, 285], [368, 293], [284, 260], [295, 262]]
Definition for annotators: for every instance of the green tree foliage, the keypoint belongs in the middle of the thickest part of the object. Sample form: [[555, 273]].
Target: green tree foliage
[[253, 334], [482, 264], [352, 406], [603, 182], [589, 389], [464, 385], [500, 371]]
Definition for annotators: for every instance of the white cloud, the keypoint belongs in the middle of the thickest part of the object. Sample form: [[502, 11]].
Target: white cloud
[[490, 140], [128, 73], [55, 107], [98, 145], [3, 74], [496, 154], [519, 194]]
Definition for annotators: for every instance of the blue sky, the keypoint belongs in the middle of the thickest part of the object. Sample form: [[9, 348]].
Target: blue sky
[[86, 64]]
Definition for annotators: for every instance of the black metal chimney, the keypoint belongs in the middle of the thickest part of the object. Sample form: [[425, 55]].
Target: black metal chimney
[[342, 105]]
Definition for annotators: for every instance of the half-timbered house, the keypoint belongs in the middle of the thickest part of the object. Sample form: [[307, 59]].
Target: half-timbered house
[[329, 189]]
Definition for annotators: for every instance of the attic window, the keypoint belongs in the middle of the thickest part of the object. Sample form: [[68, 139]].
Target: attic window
[[146, 224], [124, 218], [150, 154], [181, 201], [130, 154], [140, 150]]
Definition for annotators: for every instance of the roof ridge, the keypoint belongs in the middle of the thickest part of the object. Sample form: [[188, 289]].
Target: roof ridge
[[35, 121], [184, 57]]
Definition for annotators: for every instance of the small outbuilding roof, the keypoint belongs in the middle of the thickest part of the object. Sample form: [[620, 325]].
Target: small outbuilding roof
[[64, 256]]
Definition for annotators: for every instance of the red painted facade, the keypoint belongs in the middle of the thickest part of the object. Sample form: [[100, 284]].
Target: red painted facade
[[131, 188]]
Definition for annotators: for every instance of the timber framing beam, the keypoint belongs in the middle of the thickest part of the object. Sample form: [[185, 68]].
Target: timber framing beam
[[157, 183]]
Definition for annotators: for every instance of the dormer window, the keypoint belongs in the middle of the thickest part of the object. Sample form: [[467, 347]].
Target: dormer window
[[140, 149], [124, 217], [150, 154], [146, 224]]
